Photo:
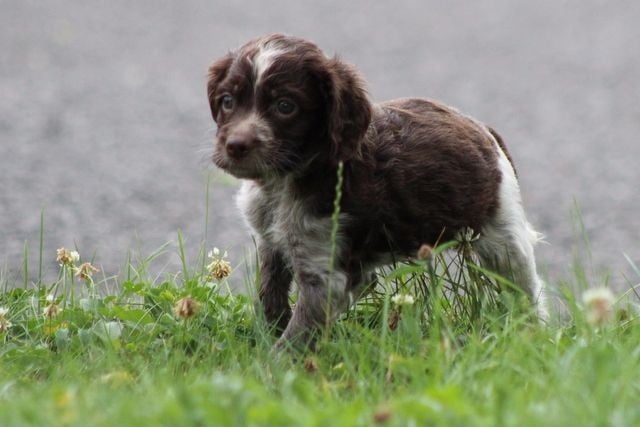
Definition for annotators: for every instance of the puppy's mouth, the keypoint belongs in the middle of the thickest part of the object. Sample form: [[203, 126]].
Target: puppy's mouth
[[259, 161], [245, 167]]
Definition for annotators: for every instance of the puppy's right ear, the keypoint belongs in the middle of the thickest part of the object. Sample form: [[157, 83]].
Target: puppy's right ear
[[217, 73], [349, 112]]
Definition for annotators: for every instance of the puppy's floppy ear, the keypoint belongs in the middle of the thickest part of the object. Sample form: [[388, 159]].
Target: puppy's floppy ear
[[349, 110], [217, 73]]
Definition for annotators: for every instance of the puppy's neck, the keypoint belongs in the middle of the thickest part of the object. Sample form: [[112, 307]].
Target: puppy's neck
[[316, 186]]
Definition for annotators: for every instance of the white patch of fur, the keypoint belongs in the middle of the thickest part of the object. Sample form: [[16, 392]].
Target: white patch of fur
[[246, 199], [263, 60], [506, 243], [305, 241]]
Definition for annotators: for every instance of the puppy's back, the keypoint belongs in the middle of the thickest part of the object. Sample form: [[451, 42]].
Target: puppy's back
[[437, 169]]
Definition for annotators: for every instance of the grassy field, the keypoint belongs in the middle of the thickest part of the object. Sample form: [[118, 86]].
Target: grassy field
[[438, 343]]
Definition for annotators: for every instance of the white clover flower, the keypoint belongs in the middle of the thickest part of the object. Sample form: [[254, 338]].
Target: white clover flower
[[219, 267], [215, 253], [51, 311], [5, 324], [66, 257], [50, 298], [402, 299], [598, 304]]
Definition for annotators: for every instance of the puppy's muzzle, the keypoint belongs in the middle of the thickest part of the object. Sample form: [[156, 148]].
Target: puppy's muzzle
[[241, 141]]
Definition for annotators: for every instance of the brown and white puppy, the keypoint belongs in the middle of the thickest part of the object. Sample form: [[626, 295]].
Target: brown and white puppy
[[415, 172]]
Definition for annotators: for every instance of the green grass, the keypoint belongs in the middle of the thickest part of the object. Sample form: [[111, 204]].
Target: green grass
[[466, 353]]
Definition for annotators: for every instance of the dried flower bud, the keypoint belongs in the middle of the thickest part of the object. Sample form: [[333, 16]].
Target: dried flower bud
[[220, 269], [85, 271], [51, 311], [382, 415], [310, 365], [598, 305], [186, 308], [424, 252], [394, 320]]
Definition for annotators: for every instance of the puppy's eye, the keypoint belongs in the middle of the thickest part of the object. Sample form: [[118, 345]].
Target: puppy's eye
[[286, 107], [227, 102]]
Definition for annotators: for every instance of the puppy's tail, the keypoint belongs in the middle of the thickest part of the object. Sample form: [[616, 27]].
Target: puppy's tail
[[535, 237]]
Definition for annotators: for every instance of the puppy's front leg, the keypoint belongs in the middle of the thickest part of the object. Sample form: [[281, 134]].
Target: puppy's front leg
[[321, 298], [275, 281]]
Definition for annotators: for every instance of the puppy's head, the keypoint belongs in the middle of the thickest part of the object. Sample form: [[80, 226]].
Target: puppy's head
[[281, 104]]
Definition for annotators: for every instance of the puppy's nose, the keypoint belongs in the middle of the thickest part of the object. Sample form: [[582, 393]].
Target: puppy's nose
[[241, 139], [237, 148]]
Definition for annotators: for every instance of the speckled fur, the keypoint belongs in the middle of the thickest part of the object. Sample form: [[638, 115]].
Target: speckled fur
[[415, 171]]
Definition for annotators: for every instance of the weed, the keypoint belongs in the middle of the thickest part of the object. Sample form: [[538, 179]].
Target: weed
[[439, 341]]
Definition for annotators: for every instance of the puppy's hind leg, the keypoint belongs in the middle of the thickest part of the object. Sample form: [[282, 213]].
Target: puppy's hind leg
[[506, 243]]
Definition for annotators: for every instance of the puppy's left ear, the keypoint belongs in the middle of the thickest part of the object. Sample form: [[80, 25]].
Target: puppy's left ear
[[349, 110], [217, 73]]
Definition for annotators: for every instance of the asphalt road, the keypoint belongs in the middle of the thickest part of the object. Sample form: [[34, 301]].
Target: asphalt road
[[104, 122]]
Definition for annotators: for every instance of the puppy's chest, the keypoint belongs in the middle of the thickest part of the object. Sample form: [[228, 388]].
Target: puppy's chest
[[285, 222]]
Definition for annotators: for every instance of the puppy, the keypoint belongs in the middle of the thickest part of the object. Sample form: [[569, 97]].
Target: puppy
[[414, 171]]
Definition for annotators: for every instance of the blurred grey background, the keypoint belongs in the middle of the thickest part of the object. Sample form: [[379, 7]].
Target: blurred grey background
[[104, 121]]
